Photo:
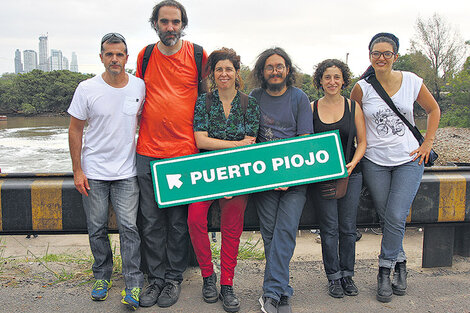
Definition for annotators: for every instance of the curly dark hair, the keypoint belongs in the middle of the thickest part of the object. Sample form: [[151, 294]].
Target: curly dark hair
[[258, 71], [220, 55], [168, 3], [321, 67]]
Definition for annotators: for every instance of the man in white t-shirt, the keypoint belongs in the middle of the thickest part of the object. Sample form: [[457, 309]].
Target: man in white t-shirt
[[104, 165]]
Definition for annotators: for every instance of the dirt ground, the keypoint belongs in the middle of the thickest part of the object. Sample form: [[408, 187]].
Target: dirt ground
[[30, 286]]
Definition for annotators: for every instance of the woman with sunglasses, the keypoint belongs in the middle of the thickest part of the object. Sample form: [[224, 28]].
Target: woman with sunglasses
[[223, 118], [393, 163]]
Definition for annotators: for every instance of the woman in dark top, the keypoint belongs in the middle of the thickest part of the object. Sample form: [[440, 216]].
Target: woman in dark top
[[223, 118], [337, 217]]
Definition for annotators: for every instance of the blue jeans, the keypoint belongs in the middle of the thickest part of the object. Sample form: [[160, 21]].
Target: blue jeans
[[393, 189], [279, 215], [124, 196], [337, 219], [164, 232]]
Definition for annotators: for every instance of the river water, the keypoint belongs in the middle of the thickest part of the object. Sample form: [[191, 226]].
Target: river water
[[40, 144], [34, 145]]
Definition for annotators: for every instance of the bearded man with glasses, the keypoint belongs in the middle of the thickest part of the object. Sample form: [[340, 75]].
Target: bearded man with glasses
[[285, 113]]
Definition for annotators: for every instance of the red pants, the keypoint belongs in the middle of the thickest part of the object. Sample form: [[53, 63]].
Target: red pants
[[231, 226]]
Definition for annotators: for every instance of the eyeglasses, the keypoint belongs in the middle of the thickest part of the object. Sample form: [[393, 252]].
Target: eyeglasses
[[269, 69], [386, 54], [108, 36]]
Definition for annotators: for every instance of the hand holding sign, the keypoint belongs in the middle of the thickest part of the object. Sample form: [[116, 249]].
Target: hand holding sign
[[248, 169]]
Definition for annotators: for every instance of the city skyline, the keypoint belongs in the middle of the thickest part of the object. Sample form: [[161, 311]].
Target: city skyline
[[309, 31], [56, 61]]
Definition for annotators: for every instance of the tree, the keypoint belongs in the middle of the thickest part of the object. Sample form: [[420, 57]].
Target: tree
[[247, 78], [458, 96], [305, 82], [38, 91], [443, 46], [419, 64]]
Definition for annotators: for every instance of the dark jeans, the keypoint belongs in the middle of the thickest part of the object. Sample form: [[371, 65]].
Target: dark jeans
[[279, 215], [337, 219], [164, 232]]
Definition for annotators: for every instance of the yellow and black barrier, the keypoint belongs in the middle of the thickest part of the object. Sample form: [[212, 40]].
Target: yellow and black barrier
[[49, 203], [40, 203]]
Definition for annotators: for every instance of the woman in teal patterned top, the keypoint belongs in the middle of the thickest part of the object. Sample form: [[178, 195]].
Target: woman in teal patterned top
[[223, 118]]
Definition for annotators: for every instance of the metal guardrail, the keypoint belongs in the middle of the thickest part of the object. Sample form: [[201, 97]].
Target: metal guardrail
[[49, 203]]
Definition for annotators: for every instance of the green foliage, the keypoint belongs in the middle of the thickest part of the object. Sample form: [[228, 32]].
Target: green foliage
[[247, 78], [28, 109], [38, 91], [417, 63], [456, 116], [457, 96], [305, 82]]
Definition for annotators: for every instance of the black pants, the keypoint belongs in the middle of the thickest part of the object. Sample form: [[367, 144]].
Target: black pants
[[164, 232]]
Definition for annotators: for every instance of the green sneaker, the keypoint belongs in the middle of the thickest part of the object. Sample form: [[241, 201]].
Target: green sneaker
[[100, 290], [130, 298]]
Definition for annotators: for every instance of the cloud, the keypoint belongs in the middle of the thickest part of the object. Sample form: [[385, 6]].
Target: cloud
[[310, 31]]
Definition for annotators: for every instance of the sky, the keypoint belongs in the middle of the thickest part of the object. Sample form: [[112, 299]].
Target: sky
[[309, 31]]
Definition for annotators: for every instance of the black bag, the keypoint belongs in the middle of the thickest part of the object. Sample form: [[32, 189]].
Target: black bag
[[385, 97], [336, 188]]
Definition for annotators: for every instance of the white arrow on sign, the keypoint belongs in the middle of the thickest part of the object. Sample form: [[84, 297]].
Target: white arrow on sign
[[174, 180]]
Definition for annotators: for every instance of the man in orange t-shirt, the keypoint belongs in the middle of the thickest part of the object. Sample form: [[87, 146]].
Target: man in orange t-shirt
[[166, 131]]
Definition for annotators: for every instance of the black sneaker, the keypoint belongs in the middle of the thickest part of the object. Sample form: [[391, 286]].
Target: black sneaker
[[349, 287], [209, 289], [170, 294], [335, 289], [268, 305], [284, 305], [230, 301], [150, 295]]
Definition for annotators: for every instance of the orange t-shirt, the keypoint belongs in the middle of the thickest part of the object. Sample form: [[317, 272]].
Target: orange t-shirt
[[166, 125]]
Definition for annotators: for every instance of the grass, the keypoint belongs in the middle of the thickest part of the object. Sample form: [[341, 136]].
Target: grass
[[247, 250], [83, 260]]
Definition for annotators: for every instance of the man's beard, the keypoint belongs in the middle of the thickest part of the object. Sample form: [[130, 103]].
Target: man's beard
[[277, 86], [169, 41]]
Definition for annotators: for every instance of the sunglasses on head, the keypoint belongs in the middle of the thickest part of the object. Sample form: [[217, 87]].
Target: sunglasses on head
[[111, 35]]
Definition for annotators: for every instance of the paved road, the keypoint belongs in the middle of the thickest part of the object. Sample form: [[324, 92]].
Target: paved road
[[438, 290], [27, 288]]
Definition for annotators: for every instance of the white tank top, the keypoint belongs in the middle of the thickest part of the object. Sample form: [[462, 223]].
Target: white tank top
[[389, 140]]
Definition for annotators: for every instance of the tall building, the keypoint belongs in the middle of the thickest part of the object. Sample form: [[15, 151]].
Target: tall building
[[18, 64], [74, 63], [65, 63], [55, 60], [30, 58], [43, 53]]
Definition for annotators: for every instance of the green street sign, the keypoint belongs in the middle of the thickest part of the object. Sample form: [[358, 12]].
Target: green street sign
[[248, 169]]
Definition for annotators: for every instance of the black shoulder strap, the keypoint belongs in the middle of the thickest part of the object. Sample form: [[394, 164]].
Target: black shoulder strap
[[146, 58], [208, 102], [383, 94], [243, 102], [198, 58], [315, 105], [351, 128]]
